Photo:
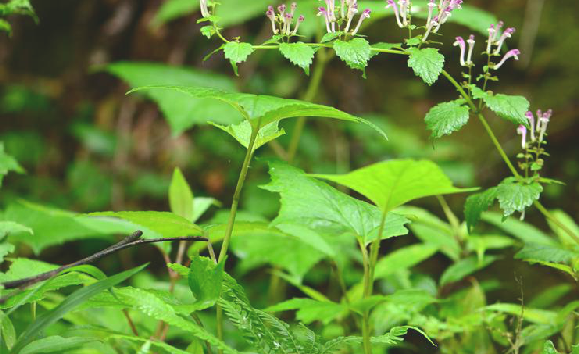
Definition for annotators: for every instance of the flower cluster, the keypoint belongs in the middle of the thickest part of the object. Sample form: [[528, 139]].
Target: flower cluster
[[347, 11], [532, 141], [462, 44], [538, 128], [283, 21], [433, 22], [498, 41]]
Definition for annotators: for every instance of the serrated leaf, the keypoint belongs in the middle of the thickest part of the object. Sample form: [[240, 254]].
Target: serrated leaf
[[242, 133], [180, 196], [309, 310], [393, 183], [403, 258], [511, 108], [356, 52], [181, 111], [319, 206], [263, 108], [447, 117], [426, 63], [463, 268], [477, 204], [546, 254], [299, 54], [205, 280], [237, 52], [516, 196], [162, 223]]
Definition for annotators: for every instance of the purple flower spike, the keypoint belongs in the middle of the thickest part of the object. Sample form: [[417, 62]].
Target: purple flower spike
[[204, 8], [514, 53], [365, 15], [522, 130], [471, 43], [531, 119], [461, 43], [507, 34], [271, 15], [396, 13]]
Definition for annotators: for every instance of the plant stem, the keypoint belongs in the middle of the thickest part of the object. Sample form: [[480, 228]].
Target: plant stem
[[232, 215], [367, 287]]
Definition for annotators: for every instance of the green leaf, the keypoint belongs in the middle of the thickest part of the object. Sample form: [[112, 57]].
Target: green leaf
[[205, 280], [242, 133], [319, 206], [180, 196], [299, 54], [162, 223], [309, 310], [355, 52], [517, 196], [546, 254], [181, 110], [201, 205], [56, 344], [395, 336], [71, 302], [549, 348], [157, 344], [446, 118], [5, 26], [9, 227], [426, 63], [237, 52], [463, 268], [393, 183], [7, 331], [262, 108], [532, 315], [404, 258], [477, 204], [511, 108], [564, 219], [7, 164], [172, 9], [5, 249], [521, 230]]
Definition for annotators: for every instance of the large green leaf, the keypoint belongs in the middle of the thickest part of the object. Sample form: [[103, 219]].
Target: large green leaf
[[182, 111], [180, 196], [355, 52], [549, 254], [511, 108], [447, 117], [393, 183], [426, 63], [477, 204], [261, 108], [70, 303], [299, 54], [319, 206], [517, 196]]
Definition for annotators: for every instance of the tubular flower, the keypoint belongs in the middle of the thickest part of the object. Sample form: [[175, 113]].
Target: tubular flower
[[322, 12], [395, 8], [300, 20], [204, 8], [287, 21], [514, 53], [543, 122], [404, 7], [431, 6], [352, 11], [492, 36], [460, 42], [281, 9], [365, 15], [507, 34], [293, 8], [531, 119], [471, 43], [271, 15], [522, 130]]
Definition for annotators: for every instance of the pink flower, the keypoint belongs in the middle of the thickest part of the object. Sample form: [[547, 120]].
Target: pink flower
[[507, 34], [270, 13], [300, 20], [395, 8], [543, 122], [522, 130], [322, 12], [492, 36], [365, 15], [460, 42], [471, 43], [352, 11], [531, 119], [514, 53]]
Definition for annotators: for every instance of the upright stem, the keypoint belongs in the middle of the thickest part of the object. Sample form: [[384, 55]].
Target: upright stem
[[367, 288], [232, 215]]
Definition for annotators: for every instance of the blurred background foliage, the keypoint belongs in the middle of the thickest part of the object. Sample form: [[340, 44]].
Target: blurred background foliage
[[86, 146]]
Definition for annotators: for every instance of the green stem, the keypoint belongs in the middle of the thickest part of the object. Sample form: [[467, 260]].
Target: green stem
[[367, 287]]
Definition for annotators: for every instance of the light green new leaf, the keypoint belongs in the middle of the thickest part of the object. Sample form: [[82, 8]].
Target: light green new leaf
[[447, 117], [5, 249], [70, 303], [403, 258], [7, 164], [181, 110], [549, 348], [426, 63], [237, 52], [261, 108], [299, 54], [9, 227], [56, 344], [477, 204], [162, 223], [355, 52], [521, 230], [321, 207], [242, 133], [463, 268], [309, 310], [511, 108], [516, 196], [546, 254], [205, 280], [180, 196], [393, 183], [201, 205]]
